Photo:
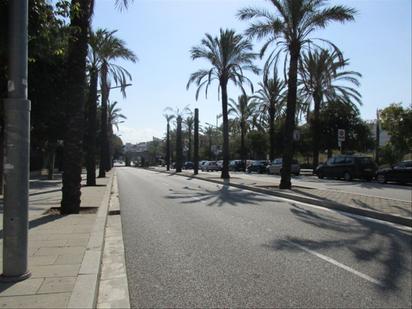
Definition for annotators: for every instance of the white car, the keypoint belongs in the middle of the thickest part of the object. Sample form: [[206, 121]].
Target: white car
[[209, 166], [276, 166]]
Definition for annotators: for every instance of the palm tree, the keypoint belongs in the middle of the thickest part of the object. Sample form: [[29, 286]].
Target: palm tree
[[189, 122], [76, 78], [80, 19], [271, 99], [179, 114], [111, 48], [290, 29], [114, 119], [208, 130], [168, 118], [230, 55], [320, 71], [244, 110]]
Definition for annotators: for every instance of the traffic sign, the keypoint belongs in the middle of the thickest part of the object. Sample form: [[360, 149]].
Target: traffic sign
[[341, 135]]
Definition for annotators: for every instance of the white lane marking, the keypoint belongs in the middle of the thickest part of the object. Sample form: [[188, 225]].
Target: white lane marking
[[336, 263]]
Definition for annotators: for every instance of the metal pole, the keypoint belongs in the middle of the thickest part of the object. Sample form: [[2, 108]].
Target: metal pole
[[196, 142], [17, 141]]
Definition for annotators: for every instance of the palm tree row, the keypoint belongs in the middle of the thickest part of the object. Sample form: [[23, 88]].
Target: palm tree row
[[100, 64], [288, 26]]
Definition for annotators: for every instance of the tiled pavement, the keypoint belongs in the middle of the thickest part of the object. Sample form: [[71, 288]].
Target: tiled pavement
[[62, 256]]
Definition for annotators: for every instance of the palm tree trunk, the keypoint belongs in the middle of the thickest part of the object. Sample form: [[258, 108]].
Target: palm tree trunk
[[210, 146], [103, 131], [285, 182], [51, 156], [272, 132], [110, 146], [316, 130], [168, 147], [189, 153], [76, 78], [1, 153], [242, 144], [225, 168], [179, 152], [91, 130]]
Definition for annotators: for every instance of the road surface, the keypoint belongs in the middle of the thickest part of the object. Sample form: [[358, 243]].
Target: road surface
[[191, 243]]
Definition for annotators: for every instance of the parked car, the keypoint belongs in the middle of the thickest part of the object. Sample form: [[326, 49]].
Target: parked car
[[257, 166], [210, 166], [347, 167], [188, 165], [237, 165], [219, 165], [276, 167], [400, 172]]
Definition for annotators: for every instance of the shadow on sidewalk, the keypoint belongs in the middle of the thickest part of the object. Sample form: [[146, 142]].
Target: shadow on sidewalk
[[354, 202], [363, 239], [39, 221]]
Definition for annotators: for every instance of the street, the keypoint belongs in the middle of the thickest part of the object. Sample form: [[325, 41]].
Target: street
[[191, 243]]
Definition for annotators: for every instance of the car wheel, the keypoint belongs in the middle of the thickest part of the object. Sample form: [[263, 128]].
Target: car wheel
[[381, 178], [347, 176]]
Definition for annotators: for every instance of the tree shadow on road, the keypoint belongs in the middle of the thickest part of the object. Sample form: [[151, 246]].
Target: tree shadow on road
[[221, 196], [367, 241]]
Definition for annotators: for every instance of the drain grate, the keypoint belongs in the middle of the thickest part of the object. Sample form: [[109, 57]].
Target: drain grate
[[114, 212]]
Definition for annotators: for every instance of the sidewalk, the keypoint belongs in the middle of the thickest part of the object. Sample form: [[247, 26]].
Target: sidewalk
[[64, 251], [375, 207]]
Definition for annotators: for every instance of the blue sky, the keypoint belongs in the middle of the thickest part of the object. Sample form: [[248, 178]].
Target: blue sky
[[161, 33]]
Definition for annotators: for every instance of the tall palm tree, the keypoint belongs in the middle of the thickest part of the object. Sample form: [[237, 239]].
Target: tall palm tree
[[290, 29], [230, 55], [80, 19], [271, 99], [244, 110], [322, 72], [111, 49], [189, 122], [168, 118], [74, 112]]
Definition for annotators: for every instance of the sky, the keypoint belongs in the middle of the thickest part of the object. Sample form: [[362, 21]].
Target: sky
[[162, 32]]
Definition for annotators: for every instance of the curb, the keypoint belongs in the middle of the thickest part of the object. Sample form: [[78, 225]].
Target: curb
[[331, 205], [85, 290]]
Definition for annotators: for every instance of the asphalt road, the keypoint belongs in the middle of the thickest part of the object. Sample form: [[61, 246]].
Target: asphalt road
[[191, 243], [389, 190]]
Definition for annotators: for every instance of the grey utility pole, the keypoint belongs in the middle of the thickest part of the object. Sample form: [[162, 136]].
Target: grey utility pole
[[196, 143], [17, 141]]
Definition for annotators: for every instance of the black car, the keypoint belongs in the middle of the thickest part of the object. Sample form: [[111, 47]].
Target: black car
[[347, 167], [258, 166], [237, 165], [400, 172], [188, 165]]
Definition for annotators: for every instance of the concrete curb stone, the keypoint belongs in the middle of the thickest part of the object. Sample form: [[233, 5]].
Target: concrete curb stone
[[318, 202], [86, 286]]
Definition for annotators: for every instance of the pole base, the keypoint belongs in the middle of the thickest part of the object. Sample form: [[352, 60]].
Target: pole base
[[22, 277]]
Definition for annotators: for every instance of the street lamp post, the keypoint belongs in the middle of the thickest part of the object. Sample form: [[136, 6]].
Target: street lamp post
[[17, 142]]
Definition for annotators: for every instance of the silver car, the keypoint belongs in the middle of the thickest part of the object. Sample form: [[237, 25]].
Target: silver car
[[209, 166], [276, 166]]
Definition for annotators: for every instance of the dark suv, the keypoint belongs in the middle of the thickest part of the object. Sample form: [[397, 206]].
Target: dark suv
[[347, 167], [257, 166], [237, 165]]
